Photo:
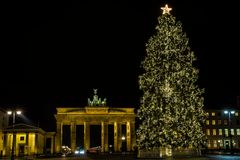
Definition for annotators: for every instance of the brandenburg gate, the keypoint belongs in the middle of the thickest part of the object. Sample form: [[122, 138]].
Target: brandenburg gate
[[97, 113]]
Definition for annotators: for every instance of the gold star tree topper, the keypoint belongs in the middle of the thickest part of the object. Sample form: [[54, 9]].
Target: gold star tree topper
[[166, 10]]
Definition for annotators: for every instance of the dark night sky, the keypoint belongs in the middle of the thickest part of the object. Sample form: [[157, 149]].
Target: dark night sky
[[54, 53]]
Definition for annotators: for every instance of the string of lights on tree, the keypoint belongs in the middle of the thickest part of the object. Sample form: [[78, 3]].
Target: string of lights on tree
[[171, 110]]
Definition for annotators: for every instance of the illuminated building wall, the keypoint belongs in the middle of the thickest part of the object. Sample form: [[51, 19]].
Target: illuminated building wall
[[30, 140], [96, 113], [101, 116], [3, 124], [220, 129]]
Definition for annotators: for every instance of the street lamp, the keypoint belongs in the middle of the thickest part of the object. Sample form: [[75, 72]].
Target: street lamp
[[229, 125], [123, 148], [13, 113], [219, 141]]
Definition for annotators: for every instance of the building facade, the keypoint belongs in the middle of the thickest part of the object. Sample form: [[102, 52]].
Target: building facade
[[222, 129], [97, 115], [28, 140], [3, 124]]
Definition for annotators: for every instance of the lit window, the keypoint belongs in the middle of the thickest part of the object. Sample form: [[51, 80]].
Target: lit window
[[226, 132], [208, 131], [213, 122], [214, 132], [220, 143], [219, 132], [225, 122], [207, 113], [232, 131], [209, 143], [21, 138], [238, 132], [215, 143], [207, 122], [213, 113], [236, 113]]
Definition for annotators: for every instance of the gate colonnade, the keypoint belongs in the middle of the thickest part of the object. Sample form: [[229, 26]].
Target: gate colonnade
[[103, 116]]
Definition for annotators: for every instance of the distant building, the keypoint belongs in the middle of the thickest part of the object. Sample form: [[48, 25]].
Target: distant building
[[221, 128], [29, 140], [3, 124]]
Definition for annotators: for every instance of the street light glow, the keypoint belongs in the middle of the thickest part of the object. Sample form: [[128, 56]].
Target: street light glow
[[19, 112], [9, 112], [232, 112], [225, 112]]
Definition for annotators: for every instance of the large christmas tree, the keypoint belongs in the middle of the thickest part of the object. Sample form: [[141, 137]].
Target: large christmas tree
[[171, 111]]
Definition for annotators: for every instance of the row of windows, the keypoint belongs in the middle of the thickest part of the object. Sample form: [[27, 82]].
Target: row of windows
[[220, 132], [219, 143], [220, 122], [219, 114]]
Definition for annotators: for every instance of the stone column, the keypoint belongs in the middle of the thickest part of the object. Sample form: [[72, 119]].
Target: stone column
[[52, 143], [119, 137], [102, 137], [58, 138], [115, 136], [73, 136], [5, 144], [133, 135], [86, 135], [128, 136], [106, 137]]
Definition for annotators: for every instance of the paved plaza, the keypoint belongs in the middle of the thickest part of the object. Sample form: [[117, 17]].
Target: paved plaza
[[131, 157]]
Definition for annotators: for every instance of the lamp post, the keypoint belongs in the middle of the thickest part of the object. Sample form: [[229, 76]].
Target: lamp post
[[13, 113], [229, 125], [123, 143]]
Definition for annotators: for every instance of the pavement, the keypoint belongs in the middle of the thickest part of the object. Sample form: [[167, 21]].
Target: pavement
[[127, 157]]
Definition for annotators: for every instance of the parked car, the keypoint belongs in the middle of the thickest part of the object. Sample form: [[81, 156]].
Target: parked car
[[79, 151], [96, 150], [65, 151]]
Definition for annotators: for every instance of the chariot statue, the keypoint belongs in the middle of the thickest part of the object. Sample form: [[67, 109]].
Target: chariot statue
[[96, 101]]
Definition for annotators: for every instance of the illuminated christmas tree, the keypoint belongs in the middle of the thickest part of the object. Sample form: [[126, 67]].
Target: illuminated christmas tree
[[171, 111]]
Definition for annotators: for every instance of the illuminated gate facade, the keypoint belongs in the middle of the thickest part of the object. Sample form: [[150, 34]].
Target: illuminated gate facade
[[97, 113]]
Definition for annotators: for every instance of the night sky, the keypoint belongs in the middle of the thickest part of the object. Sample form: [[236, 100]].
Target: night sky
[[53, 53]]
